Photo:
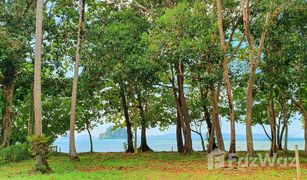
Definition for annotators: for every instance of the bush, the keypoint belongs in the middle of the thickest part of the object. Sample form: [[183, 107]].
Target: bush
[[40, 148], [15, 153]]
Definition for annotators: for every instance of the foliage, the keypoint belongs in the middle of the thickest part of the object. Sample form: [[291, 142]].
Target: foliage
[[15, 153], [40, 148]]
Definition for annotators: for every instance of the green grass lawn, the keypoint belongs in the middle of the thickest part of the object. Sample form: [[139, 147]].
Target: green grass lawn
[[145, 166]]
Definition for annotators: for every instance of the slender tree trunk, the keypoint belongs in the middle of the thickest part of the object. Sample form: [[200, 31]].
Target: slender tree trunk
[[37, 75], [232, 148], [266, 133], [72, 146], [285, 119], [211, 138], [215, 123], [201, 138], [135, 117], [180, 147], [90, 136], [180, 126], [203, 96], [144, 146], [127, 119], [271, 117], [281, 136], [31, 114], [249, 105], [184, 109], [215, 109], [8, 89], [202, 142], [286, 139]]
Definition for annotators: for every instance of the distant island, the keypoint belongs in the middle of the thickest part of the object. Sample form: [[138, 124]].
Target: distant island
[[118, 133]]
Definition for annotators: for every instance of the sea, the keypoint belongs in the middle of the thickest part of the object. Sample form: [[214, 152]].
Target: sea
[[164, 143]]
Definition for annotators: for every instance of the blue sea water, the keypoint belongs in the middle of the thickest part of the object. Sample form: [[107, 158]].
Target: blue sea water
[[161, 144]]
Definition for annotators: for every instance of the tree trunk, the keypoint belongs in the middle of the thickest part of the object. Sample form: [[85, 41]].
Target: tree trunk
[[211, 136], [279, 135], [37, 75], [8, 90], [232, 147], [285, 119], [184, 109], [271, 117], [180, 126], [203, 96], [72, 147], [286, 139], [90, 136], [135, 117], [249, 105], [127, 120], [266, 133], [201, 138], [180, 147], [144, 147], [215, 113]]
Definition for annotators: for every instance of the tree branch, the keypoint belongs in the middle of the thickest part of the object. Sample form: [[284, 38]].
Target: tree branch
[[235, 51], [266, 133]]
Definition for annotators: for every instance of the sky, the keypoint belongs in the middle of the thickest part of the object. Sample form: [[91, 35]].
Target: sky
[[295, 129]]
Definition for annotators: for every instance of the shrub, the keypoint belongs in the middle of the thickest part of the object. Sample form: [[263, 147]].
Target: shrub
[[15, 153], [39, 147]]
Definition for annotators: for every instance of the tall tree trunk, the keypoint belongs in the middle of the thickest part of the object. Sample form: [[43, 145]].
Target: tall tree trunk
[[90, 136], [135, 117], [180, 126], [271, 117], [184, 109], [144, 146], [232, 147], [127, 120], [8, 89], [72, 146], [37, 75]]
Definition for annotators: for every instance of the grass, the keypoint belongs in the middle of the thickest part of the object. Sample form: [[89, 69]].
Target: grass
[[146, 166]]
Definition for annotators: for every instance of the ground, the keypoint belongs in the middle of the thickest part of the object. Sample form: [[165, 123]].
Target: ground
[[146, 166]]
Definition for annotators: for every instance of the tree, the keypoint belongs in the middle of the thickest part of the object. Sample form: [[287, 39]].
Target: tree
[[41, 163], [225, 62], [72, 146], [253, 66], [15, 35]]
